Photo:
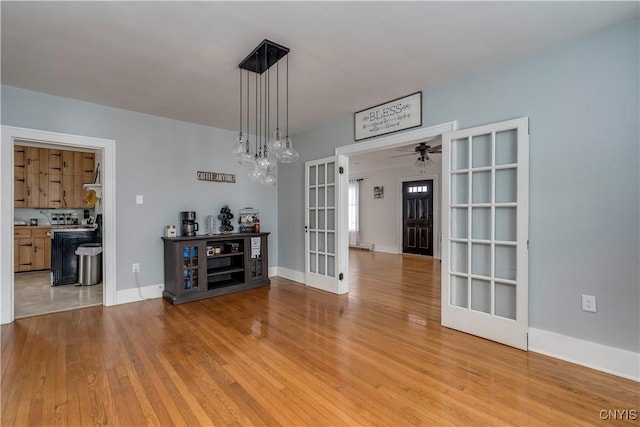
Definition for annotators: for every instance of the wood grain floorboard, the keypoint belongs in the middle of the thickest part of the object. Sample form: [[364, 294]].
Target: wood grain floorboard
[[293, 356]]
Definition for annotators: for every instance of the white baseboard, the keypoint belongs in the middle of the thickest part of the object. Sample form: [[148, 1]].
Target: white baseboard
[[287, 273], [125, 296], [612, 360], [386, 249], [273, 271]]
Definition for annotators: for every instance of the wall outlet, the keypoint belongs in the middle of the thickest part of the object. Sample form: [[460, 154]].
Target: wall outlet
[[139, 199], [135, 267], [589, 303]]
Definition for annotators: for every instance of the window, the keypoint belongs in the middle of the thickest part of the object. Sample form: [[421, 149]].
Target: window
[[354, 205], [418, 189]]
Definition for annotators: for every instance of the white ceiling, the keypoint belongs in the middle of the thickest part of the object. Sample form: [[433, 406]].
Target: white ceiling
[[180, 59]]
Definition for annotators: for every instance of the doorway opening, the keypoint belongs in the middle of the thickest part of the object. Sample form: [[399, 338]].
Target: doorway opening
[[53, 218], [394, 141], [105, 151]]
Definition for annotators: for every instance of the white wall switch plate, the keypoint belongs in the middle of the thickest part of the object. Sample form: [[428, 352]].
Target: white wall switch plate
[[139, 199]]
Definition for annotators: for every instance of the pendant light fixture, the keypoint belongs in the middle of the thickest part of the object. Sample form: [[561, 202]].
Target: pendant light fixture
[[262, 156], [242, 149], [287, 154]]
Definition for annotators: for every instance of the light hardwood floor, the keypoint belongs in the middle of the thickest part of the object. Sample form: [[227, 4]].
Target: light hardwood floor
[[290, 355]]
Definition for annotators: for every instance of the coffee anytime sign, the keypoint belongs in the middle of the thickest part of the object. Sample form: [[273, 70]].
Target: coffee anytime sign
[[399, 114], [216, 177]]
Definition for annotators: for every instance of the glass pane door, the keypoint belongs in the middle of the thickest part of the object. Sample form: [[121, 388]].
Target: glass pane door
[[485, 287], [321, 241]]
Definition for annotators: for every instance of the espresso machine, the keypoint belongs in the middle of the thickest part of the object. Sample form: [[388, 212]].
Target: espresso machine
[[189, 224]]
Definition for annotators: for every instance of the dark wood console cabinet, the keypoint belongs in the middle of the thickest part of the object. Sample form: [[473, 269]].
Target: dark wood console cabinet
[[206, 266]]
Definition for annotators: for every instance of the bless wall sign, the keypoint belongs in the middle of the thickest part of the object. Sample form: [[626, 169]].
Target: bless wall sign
[[399, 114]]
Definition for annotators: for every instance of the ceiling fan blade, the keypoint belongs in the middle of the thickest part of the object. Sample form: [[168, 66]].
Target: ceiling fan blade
[[436, 149], [402, 155]]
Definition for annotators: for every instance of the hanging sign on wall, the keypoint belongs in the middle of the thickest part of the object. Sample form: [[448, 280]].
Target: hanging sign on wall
[[399, 114], [217, 177]]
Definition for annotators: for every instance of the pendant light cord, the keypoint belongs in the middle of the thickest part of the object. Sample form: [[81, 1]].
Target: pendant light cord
[[278, 95], [256, 154], [248, 90], [287, 96]]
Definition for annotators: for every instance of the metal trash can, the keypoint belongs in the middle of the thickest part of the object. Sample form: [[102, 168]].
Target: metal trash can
[[90, 263]]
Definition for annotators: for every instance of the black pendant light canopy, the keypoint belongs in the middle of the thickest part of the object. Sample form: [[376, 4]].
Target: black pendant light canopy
[[264, 56]]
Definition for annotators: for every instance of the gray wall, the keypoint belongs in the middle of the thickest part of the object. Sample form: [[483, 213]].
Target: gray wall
[[157, 158], [582, 100]]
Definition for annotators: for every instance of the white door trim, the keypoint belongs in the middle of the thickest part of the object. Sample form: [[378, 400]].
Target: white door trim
[[11, 133], [396, 140]]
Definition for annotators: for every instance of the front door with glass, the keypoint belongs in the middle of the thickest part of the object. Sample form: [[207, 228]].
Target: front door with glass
[[417, 217]]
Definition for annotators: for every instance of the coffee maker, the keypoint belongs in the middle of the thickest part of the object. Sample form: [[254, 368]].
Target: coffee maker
[[189, 224]]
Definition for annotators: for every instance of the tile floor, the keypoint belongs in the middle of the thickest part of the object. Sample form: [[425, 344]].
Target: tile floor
[[34, 295]]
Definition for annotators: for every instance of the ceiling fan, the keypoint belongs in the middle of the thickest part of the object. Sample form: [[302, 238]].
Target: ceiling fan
[[423, 150]]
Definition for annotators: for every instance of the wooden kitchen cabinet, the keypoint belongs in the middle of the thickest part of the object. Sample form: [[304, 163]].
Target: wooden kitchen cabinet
[[33, 160], [68, 162], [43, 179], [83, 173], [77, 170], [47, 178], [194, 269], [19, 176], [84, 164], [32, 248], [41, 257], [67, 192], [54, 179], [30, 176]]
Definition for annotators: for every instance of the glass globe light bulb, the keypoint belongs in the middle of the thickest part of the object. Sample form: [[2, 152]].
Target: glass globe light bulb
[[275, 145], [270, 179], [288, 154], [256, 174], [245, 159], [238, 148], [244, 156], [263, 163]]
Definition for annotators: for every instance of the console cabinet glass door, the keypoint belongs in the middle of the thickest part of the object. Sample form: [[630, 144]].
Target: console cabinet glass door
[[190, 253], [257, 258]]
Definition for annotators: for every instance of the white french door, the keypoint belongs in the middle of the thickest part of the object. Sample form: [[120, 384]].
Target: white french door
[[325, 224], [485, 229]]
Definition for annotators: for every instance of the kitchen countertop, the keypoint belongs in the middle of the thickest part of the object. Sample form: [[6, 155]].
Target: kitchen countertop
[[55, 227], [59, 227]]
